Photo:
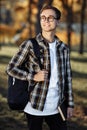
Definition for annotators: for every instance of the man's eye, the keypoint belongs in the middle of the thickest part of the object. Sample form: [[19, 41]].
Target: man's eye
[[43, 17], [51, 17]]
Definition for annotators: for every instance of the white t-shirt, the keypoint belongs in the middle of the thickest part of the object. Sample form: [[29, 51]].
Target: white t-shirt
[[52, 98]]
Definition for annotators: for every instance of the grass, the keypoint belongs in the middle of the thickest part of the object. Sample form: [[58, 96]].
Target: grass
[[13, 120]]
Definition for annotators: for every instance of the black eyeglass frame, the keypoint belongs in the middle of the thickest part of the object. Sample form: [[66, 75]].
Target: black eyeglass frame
[[51, 18]]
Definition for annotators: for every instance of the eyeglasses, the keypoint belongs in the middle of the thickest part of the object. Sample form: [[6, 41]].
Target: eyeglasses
[[49, 19]]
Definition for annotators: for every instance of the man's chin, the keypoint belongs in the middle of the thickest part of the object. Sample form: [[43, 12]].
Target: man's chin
[[49, 30]]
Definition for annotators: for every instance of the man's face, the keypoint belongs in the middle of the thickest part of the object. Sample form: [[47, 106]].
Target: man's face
[[48, 20]]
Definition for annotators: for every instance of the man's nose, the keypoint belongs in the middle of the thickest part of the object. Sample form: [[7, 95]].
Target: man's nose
[[47, 19]]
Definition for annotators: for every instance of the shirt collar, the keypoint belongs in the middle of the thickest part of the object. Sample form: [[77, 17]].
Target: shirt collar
[[40, 38]]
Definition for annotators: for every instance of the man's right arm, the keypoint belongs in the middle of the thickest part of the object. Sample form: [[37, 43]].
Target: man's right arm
[[16, 61]]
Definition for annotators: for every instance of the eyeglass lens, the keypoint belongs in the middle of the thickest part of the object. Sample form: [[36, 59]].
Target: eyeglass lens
[[50, 18]]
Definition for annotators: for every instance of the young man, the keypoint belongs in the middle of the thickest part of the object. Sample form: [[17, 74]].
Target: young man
[[51, 83]]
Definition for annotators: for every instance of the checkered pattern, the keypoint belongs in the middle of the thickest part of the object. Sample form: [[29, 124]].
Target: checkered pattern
[[38, 95]]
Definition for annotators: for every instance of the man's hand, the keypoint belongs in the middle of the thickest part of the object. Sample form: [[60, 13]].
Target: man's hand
[[69, 112], [40, 76]]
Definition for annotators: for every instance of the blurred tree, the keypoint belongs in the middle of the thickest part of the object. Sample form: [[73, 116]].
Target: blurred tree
[[84, 2], [48, 2], [38, 5], [34, 26], [29, 17], [68, 6], [8, 19], [1, 16]]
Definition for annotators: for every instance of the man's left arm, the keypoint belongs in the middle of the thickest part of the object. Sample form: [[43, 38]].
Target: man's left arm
[[69, 87]]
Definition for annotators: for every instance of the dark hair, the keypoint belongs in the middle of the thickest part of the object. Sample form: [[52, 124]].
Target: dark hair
[[57, 11]]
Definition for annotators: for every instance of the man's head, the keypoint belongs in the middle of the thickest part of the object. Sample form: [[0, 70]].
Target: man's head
[[49, 18], [57, 12]]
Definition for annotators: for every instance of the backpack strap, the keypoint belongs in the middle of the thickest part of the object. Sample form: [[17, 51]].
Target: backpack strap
[[36, 50]]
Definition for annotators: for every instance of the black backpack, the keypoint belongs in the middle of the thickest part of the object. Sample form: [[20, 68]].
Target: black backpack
[[18, 95]]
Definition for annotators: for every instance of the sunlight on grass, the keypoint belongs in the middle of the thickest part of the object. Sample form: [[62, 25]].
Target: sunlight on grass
[[79, 67], [2, 99], [8, 50], [79, 62]]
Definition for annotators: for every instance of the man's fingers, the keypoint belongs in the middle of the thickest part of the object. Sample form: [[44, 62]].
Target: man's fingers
[[69, 112], [41, 75]]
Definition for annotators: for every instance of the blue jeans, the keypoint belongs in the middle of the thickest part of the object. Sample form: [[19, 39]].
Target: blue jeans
[[54, 122]]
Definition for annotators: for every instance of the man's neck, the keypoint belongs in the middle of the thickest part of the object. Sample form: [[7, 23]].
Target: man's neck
[[49, 36]]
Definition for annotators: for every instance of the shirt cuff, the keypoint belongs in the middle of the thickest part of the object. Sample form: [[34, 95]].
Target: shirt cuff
[[30, 77]]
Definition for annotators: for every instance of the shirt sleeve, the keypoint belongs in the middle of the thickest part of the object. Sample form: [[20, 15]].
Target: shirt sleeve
[[17, 60], [69, 81]]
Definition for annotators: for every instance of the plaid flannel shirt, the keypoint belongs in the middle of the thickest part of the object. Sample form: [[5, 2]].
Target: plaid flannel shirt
[[39, 92]]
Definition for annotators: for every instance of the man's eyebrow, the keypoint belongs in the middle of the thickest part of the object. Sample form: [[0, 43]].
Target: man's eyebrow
[[48, 16]]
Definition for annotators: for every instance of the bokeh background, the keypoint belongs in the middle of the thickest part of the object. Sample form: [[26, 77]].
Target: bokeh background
[[19, 20]]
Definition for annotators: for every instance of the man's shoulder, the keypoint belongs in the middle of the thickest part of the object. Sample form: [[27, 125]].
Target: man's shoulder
[[63, 45], [26, 43]]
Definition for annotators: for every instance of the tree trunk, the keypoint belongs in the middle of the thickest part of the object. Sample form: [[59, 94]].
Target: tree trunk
[[40, 4], [29, 18], [69, 20], [82, 27], [69, 27]]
